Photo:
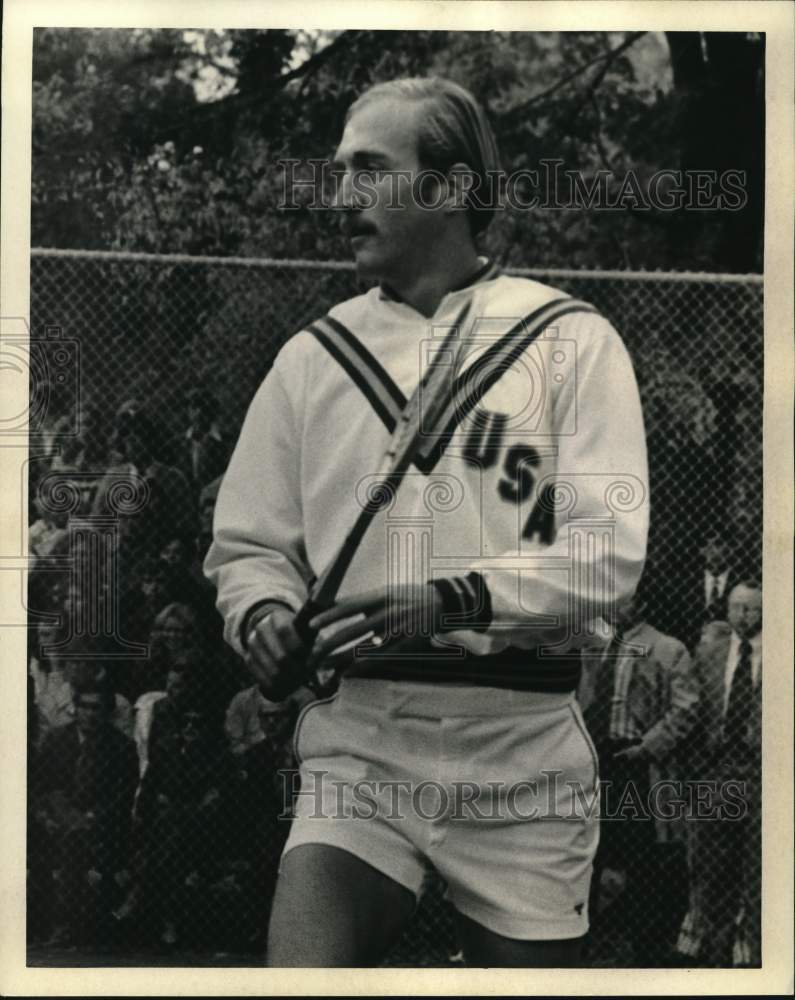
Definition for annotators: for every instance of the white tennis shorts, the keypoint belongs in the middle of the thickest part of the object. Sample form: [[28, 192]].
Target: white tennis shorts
[[496, 788]]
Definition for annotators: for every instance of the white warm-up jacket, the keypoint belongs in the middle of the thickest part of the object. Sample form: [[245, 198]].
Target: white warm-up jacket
[[534, 516]]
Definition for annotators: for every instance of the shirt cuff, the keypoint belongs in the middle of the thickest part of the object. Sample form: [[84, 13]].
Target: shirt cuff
[[466, 602], [255, 614]]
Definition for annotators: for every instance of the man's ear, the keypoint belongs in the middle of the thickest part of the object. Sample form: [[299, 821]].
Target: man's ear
[[461, 180]]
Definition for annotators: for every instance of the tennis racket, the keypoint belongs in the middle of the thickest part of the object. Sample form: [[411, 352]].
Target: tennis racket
[[419, 419]]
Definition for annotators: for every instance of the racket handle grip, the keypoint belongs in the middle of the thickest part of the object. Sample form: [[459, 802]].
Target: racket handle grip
[[302, 619]]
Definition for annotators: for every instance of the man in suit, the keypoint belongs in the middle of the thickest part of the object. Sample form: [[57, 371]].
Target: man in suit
[[718, 578], [688, 597], [207, 500], [722, 926], [83, 788], [201, 453], [167, 509], [640, 702]]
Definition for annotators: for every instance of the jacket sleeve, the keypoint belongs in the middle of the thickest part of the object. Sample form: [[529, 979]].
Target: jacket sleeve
[[681, 712], [257, 554], [596, 501]]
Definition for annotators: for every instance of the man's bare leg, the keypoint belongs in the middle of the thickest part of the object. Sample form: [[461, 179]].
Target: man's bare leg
[[485, 949], [333, 909]]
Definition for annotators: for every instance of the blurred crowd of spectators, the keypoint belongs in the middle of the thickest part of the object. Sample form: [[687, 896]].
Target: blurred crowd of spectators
[[161, 780], [673, 705]]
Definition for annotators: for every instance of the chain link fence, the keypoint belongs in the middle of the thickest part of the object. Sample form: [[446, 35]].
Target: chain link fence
[[173, 842]]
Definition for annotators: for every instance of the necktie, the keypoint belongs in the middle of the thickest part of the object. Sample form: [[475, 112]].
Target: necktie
[[740, 696], [599, 712], [714, 597], [196, 456], [85, 777]]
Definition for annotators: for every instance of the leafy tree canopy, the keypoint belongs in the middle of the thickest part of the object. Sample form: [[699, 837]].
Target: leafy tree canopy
[[170, 141]]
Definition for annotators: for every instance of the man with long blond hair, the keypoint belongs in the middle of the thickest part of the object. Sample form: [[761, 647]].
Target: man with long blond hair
[[474, 712]]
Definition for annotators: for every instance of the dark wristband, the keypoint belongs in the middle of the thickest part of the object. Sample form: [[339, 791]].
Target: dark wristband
[[253, 615]]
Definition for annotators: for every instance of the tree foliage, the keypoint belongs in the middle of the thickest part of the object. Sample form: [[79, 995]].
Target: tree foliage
[[171, 141]]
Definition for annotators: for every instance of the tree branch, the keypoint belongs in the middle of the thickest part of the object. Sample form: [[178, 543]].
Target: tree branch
[[278, 83], [315, 61], [236, 101], [600, 146], [509, 117], [610, 58], [223, 70]]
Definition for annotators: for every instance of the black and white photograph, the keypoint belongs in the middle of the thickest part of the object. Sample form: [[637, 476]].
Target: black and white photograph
[[390, 503]]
